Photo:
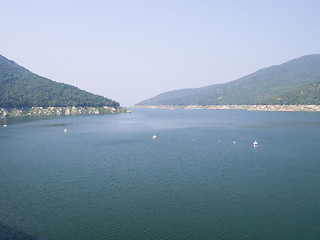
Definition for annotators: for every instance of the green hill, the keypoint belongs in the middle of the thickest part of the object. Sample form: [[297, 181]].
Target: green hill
[[265, 86], [20, 88], [307, 94]]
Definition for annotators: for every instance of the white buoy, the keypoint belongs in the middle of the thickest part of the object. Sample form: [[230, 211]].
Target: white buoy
[[154, 137], [234, 142], [255, 143], [65, 130]]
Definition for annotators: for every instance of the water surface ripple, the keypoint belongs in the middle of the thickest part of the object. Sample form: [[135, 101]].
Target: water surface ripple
[[202, 178]]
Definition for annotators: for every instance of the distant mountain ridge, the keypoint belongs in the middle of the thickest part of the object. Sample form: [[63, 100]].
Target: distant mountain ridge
[[278, 84], [20, 88]]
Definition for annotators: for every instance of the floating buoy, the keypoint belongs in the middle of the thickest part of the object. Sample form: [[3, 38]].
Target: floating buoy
[[154, 137], [234, 142]]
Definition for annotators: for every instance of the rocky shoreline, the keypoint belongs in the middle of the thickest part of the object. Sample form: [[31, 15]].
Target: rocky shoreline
[[275, 108], [59, 111]]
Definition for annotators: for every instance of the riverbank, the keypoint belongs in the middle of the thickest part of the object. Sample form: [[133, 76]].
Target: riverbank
[[275, 108], [59, 111]]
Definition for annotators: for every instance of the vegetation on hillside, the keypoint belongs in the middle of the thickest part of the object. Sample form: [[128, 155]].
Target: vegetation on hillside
[[21, 88], [261, 87], [305, 95]]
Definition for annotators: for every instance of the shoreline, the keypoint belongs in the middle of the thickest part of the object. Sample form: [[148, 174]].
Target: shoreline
[[59, 111], [270, 108]]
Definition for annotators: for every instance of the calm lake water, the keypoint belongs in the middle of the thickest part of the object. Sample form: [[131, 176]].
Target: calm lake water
[[202, 178]]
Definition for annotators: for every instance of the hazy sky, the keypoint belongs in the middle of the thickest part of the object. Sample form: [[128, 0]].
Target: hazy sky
[[133, 50]]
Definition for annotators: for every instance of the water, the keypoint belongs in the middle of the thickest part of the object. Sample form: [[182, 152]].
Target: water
[[106, 178]]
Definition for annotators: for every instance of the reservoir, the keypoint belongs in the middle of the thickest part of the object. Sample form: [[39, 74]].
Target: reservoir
[[201, 177]]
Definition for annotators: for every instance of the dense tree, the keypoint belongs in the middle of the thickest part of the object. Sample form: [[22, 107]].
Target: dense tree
[[21, 88], [261, 87], [306, 94]]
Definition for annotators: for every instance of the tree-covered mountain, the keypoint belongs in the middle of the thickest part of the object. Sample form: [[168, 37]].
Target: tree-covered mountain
[[290, 82], [20, 88], [306, 94]]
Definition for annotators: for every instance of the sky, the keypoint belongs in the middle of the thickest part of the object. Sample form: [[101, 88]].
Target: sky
[[131, 50]]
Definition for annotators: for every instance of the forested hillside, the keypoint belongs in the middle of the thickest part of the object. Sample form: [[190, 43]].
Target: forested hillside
[[262, 87], [304, 95], [21, 88]]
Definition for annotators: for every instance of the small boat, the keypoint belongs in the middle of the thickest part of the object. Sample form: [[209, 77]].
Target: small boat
[[255, 143], [5, 125], [154, 137], [65, 130]]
